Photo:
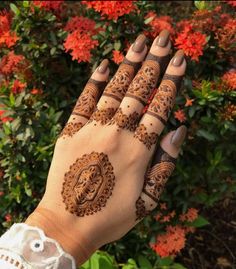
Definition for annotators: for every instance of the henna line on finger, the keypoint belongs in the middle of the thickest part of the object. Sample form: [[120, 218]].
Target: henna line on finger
[[157, 116], [161, 60], [136, 97], [135, 65], [177, 80], [112, 96], [81, 115], [99, 84]]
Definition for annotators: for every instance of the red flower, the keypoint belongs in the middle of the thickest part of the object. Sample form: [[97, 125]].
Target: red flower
[[49, 5], [35, 91], [180, 115], [10, 63], [170, 243], [7, 37], [80, 45], [230, 79], [3, 119], [191, 42], [83, 24], [8, 217], [18, 86], [189, 102], [232, 3], [190, 215], [117, 56], [158, 24], [113, 9], [1, 193]]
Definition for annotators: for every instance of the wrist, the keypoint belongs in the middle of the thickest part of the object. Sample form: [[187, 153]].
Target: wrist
[[63, 232]]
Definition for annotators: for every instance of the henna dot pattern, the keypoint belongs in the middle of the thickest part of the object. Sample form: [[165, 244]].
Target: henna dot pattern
[[71, 128], [143, 136], [88, 184]]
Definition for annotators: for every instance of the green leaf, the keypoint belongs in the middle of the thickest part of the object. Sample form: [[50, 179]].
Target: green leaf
[[199, 222], [15, 9], [28, 191], [165, 261], [178, 266], [117, 45], [144, 262], [206, 134], [148, 20], [200, 5]]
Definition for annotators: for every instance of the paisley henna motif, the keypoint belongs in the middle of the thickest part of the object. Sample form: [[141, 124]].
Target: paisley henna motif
[[155, 179], [163, 101], [119, 84], [143, 136], [88, 100], [144, 82], [103, 115], [71, 128], [125, 122], [88, 184]]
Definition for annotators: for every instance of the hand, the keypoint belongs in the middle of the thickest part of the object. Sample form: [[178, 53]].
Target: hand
[[107, 172]]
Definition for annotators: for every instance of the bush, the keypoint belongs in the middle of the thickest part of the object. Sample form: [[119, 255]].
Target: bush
[[43, 72]]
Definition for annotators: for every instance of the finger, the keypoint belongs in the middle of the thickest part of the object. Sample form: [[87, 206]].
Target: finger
[[154, 120], [161, 168], [140, 89], [87, 101], [117, 87]]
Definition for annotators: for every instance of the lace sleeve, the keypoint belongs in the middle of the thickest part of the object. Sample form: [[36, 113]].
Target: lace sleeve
[[24, 246]]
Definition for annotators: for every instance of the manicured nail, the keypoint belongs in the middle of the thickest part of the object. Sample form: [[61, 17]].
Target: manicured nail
[[163, 38], [139, 43], [179, 136], [103, 66], [178, 58]]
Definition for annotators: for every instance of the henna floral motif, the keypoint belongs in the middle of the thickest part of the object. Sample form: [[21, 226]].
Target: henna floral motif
[[163, 101], [103, 115], [141, 211], [87, 101], [155, 179], [144, 82], [125, 122], [119, 84], [143, 136], [88, 184], [71, 128]]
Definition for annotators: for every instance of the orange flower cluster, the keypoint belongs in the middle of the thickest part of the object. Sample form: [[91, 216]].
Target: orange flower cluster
[[8, 38], [190, 215], [191, 42], [170, 243], [2, 117], [117, 56], [229, 78], [228, 112], [158, 24], [10, 63], [226, 35], [180, 115], [18, 86], [112, 9], [49, 5], [79, 41]]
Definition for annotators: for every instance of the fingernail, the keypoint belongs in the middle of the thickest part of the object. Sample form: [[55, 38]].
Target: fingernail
[[178, 58], [103, 66], [139, 43], [163, 38], [179, 136]]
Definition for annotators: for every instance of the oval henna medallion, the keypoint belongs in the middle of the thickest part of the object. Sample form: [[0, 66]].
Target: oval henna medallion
[[88, 184]]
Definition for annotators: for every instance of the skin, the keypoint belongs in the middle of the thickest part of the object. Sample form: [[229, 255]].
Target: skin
[[126, 155]]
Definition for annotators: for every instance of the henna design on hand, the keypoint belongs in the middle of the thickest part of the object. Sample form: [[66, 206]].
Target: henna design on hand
[[103, 115], [71, 128], [163, 101], [125, 122], [144, 82], [141, 211], [143, 136], [155, 179], [119, 84], [88, 184], [88, 99]]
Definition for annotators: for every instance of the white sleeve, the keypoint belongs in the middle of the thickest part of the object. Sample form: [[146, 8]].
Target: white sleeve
[[27, 247]]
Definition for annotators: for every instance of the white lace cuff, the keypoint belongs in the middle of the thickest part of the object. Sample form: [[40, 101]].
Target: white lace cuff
[[27, 247]]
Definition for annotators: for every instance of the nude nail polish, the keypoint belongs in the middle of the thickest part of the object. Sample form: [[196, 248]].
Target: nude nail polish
[[179, 136], [178, 58], [103, 66], [163, 39], [139, 43]]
